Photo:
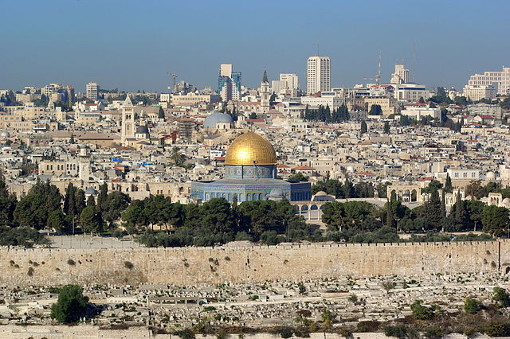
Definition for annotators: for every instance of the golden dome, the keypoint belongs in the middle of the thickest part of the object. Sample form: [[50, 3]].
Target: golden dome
[[250, 149]]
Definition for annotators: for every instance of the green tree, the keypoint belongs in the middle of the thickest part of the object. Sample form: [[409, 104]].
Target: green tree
[[70, 306], [495, 220], [91, 201], [448, 187], [422, 312], [501, 297], [375, 110], [364, 127], [330, 186], [348, 189], [298, 176], [101, 197], [382, 188], [432, 213], [90, 220], [20, 236], [42, 102], [505, 104], [386, 129], [472, 306], [161, 113], [135, 216], [7, 204], [116, 202], [475, 190], [31, 211], [57, 221]]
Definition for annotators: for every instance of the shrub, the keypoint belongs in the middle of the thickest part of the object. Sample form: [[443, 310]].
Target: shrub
[[71, 262], [388, 285], [401, 331], [284, 331], [501, 297], [30, 271], [129, 265], [497, 329], [422, 312], [353, 298], [185, 334], [302, 288], [472, 306]]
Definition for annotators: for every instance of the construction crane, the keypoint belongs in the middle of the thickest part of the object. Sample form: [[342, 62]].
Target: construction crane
[[174, 77], [377, 77]]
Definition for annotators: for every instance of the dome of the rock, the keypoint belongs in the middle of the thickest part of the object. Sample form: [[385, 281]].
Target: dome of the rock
[[250, 149]]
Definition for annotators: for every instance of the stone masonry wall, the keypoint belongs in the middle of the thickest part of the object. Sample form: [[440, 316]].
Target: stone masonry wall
[[184, 266]]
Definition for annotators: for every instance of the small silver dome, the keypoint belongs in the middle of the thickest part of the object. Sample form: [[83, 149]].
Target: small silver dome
[[215, 118]]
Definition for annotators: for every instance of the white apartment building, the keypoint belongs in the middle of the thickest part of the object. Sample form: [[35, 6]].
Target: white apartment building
[[92, 91], [417, 112], [463, 174], [478, 92], [400, 76], [288, 84], [48, 90], [318, 74], [501, 79], [411, 92], [326, 100]]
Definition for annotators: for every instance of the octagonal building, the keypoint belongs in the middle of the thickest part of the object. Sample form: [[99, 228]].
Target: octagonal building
[[250, 174]]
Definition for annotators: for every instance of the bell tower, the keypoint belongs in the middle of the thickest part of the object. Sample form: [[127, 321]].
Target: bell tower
[[128, 120], [264, 93]]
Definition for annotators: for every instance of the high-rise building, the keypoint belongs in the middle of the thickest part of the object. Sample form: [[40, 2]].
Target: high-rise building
[[400, 76], [318, 74], [92, 91], [500, 79], [229, 83]]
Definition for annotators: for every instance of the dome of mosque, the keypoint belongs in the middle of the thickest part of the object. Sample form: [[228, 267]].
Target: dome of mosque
[[217, 118], [250, 149]]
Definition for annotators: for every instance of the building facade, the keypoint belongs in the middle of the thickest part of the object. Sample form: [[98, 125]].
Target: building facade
[[400, 76], [478, 92], [229, 83], [92, 91], [318, 74], [500, 79]]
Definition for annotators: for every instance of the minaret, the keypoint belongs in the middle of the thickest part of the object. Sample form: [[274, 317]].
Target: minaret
[[128, 120], [264, 93]]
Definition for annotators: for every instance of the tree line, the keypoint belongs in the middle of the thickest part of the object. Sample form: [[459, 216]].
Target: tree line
[[359, 221], [160, 222], [325, 114]]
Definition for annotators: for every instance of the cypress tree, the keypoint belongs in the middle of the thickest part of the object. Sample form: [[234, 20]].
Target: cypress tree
[[364, 127], [448, 184], [443, 204], [389, 213]]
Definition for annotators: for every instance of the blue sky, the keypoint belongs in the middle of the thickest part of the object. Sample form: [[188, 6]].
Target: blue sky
[[131, 45]]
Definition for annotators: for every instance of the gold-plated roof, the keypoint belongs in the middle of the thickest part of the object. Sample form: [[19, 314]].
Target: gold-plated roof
[[250, 149]]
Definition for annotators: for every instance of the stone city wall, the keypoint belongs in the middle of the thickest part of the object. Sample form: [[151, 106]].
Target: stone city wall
[[207, 265]]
